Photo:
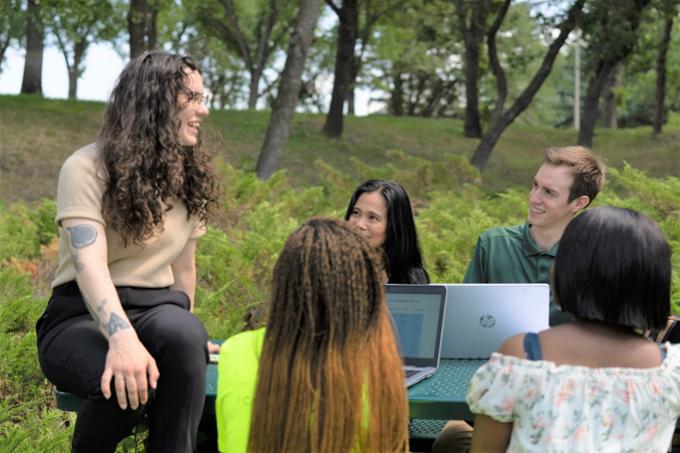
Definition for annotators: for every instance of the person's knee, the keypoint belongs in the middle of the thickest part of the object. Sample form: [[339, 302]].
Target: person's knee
[[183, 341], [455, 437]]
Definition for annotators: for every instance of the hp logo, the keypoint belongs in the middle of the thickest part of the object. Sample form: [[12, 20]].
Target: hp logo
[[487, 321]]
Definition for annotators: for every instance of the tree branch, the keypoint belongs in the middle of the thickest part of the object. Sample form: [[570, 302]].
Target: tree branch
[[566, 27], [333, 6], [263, 48], [496, 68], [238, 35]]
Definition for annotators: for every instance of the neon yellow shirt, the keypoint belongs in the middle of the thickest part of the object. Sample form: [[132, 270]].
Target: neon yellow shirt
[[237, 371]]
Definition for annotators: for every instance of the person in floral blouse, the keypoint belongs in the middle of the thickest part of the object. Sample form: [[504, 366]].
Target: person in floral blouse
[[595, 384]]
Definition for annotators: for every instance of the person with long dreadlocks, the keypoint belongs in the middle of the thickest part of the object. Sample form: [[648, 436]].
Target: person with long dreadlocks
[[324, 375]]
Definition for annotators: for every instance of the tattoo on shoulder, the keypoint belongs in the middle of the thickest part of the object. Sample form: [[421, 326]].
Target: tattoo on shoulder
[[115, 324], [82, 235]]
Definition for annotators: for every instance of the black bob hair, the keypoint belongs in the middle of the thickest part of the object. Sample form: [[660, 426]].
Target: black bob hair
[[614, 265], [402, 249]]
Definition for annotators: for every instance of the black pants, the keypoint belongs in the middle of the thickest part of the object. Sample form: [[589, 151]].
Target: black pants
[[72, 352]]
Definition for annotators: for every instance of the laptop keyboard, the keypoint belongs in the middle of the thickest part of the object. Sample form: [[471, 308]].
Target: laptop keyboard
[[410, 373]]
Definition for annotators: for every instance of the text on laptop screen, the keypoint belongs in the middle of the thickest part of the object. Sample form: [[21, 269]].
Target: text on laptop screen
[[415, 317]]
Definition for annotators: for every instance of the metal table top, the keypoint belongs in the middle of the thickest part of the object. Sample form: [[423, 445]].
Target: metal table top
[[441, 396]]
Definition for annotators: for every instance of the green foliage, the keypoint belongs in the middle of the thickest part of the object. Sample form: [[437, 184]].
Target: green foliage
[[236, 256], [33, 426], [12, 24], [18, 233], [24, 230]]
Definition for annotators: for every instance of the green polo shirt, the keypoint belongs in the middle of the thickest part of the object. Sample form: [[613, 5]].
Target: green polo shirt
[[510, 255]]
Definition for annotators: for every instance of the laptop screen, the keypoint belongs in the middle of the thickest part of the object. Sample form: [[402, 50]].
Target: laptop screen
[[417, 314]]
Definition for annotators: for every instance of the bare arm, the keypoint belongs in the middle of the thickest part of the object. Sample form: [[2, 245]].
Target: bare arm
[[184, 271], [128, 362], [490, 435]]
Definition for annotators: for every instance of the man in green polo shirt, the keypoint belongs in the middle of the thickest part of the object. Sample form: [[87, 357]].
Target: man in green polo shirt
[[567, 182], [569, 179]]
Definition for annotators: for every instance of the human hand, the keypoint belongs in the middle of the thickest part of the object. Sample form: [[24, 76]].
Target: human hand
[[131, 366], [213, 348]]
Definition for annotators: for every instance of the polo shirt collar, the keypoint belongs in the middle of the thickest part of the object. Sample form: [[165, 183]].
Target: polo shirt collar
[[530, 248]]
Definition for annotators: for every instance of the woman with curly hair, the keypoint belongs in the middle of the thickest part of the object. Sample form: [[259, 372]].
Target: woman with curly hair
[[118, 330], [324, 375]]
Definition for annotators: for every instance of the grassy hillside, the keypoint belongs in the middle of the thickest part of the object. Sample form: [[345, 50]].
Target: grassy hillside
[[37, 134]]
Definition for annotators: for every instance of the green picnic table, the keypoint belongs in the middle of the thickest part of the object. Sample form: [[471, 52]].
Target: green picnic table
[[431, 402]]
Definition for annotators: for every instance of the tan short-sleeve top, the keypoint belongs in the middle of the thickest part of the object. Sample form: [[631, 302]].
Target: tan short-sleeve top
[[79, 195]]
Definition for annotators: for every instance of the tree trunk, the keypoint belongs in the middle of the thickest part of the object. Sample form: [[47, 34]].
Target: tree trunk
[[436, 92], [611, 99], [72, 82], [350, 101], [502, 119], [487, 143], [3, 48], [348, 31], [590, 104], [137, 26], [255, 60], [32, 81], [289, 89], [253, 88], [661, 75], [604, 67], [74, 70], [418, 85], [473, 34], [152, 25], [396, 106]]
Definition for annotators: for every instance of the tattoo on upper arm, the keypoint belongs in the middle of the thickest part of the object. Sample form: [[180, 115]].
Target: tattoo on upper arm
[[82, 235], [115, 324], [77, 263]]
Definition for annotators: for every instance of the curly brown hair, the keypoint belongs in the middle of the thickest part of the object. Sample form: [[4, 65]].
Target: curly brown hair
[[145, 164]]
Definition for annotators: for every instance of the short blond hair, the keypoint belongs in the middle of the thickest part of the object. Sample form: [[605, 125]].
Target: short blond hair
[[587, 169]]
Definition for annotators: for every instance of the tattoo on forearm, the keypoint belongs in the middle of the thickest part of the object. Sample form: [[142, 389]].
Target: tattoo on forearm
[[100, 308], [92, 313], [82, 235], [115, 324]]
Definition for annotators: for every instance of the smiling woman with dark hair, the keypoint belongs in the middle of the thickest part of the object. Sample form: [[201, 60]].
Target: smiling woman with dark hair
[[595, 384], [118, 330], [381, 209]]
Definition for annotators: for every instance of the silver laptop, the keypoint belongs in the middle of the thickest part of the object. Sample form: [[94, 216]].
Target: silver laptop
[[417, 313], [480, 317]]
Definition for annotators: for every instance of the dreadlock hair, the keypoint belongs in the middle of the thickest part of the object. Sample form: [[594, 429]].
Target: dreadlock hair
[[145, 165], [330, 377]]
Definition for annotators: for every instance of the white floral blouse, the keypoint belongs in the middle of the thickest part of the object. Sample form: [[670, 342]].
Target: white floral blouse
[[579, 409]]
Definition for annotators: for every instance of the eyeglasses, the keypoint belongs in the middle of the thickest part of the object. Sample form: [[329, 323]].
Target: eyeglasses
[[199, 98]]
